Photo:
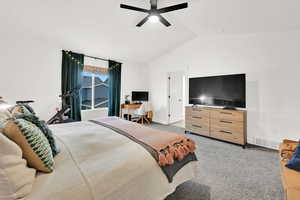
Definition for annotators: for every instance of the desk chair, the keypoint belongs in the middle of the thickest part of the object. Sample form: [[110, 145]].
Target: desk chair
[[140, 114]]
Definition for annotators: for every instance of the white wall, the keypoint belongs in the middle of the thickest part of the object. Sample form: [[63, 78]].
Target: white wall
[[134, 78], [31, 69], [272, 64]]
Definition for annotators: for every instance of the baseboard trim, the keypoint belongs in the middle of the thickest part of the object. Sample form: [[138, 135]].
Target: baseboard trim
[[270, 144], [176, 122], [161, 123]]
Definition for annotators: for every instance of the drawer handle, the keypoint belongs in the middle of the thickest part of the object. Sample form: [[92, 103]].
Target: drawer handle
[[225, 132], [228, 122], [226, 113], [196, 117], [196, 126]]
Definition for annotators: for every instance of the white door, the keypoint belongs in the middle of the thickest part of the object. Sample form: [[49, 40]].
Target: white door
[[176, 96]]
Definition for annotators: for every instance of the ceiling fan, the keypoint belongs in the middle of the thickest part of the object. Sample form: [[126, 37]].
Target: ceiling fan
[[154, 13]]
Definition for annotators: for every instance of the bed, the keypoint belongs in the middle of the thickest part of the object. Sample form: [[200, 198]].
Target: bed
[[95, 163]]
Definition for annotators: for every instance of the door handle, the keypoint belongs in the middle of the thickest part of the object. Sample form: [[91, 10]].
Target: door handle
[[196, 117], [225, 132], [228, 122], [226, 113], [196, 126]]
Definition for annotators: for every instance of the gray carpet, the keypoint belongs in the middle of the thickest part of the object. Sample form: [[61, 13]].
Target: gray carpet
[[228, 172]]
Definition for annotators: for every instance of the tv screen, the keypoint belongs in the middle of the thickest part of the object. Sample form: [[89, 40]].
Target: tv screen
[[139, 96], [227, 90]]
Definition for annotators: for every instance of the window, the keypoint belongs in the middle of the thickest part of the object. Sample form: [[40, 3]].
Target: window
[[94, 93]]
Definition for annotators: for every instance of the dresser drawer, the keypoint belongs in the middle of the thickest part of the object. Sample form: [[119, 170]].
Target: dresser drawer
[[201, 120], [228, 125], [198, 129], [197, 112], [227, 115], [230, 136]]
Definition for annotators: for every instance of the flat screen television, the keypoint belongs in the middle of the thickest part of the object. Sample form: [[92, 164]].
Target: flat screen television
[[139, 96], [228, 91]]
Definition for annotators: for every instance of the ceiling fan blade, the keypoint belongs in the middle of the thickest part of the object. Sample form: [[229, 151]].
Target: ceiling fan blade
[[164, 21], [133, 8], [143, 21], [172, 8]]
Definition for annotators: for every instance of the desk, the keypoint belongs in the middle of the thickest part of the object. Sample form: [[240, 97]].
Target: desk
[[129, 107]]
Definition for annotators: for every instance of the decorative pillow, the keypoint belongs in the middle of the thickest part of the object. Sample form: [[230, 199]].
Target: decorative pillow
[[35, 146], [29, 108], [294, 162], [16, 179], [4, 110], [44, 128], [22, 108]]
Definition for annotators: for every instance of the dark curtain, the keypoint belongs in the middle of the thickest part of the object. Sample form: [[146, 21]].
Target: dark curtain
[[71, 80], [114, 88]]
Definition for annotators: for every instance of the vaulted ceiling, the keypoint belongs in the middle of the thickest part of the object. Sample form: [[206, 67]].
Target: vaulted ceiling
[[102, 28]]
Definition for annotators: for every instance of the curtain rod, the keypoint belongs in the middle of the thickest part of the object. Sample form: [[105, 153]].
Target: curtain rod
[[98, 58], [95, 57]]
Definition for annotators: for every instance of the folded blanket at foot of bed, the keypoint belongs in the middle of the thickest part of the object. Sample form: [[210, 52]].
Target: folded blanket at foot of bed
[[171, 150]]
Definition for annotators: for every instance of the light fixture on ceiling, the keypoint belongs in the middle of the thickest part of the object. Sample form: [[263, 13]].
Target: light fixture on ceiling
[[153, 19], [154, 14]]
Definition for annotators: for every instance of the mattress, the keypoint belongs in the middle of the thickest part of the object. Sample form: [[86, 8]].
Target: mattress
[[97, 163]]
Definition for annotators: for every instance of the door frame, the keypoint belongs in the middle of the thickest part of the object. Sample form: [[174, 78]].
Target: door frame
[[184, 93]]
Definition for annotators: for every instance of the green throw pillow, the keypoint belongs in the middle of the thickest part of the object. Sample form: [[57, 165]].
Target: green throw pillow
[[35, 146], [29, 108], [44, 128]]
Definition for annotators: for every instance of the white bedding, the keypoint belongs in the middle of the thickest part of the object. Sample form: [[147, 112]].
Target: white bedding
[[96, 163]]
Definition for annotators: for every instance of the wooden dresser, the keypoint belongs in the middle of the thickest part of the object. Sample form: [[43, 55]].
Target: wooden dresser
[[227, 125]]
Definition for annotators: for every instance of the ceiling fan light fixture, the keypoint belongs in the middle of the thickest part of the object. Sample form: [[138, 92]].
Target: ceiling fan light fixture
[[154, 13], [153, 19]]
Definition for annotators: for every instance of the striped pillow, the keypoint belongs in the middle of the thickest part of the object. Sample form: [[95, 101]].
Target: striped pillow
[[35, 146], [22, 108], [44, 128]]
